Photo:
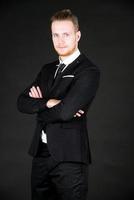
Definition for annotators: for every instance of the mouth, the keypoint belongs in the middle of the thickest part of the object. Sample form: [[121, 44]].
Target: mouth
[[61, 48]]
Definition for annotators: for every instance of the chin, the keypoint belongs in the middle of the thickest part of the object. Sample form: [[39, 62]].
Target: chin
[[67, 53], [62, 52]]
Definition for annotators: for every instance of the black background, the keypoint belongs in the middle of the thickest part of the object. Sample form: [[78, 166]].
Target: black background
[[108, 40]]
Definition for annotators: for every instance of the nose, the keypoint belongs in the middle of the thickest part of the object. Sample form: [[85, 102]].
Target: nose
[[61, 40]]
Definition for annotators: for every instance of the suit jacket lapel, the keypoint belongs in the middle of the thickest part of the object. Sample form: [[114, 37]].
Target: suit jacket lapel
[[70, 68]]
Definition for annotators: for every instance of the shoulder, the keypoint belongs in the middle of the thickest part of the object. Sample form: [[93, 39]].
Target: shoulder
[[50, 65], [86, 65]]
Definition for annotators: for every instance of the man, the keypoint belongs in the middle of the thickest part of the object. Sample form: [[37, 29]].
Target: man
[[61, 96]]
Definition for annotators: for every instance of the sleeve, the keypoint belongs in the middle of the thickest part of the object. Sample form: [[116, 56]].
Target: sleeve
[[79, 96], [29, 105]]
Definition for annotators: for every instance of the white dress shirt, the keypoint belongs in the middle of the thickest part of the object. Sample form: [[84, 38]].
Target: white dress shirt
[[67, 61]]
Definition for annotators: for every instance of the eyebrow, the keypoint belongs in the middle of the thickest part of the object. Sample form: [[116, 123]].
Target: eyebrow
[[61, 33]]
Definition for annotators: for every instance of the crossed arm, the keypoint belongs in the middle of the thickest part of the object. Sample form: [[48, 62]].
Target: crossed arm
[[35, 92], [80, 96]]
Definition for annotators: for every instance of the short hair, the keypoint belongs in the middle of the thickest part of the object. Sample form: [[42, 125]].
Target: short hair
[[66, 14]]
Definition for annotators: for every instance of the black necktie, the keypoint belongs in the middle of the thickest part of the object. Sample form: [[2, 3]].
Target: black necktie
[[61, 66]]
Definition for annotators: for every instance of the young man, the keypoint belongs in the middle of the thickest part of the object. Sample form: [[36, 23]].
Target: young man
[[61, 96]]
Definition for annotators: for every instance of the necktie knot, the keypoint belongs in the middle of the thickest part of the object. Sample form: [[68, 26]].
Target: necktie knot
[[58, 73], [61, 66]]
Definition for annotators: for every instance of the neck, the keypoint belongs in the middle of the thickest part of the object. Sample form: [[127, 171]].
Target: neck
[[69, 59]]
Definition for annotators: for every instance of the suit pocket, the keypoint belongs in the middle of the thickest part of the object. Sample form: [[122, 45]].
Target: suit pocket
[[68, 76], [66, 80]]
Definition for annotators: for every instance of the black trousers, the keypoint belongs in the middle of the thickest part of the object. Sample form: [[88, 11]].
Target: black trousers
[[52, 180]]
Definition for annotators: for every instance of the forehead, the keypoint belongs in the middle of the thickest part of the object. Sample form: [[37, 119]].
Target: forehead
[[61, 26]]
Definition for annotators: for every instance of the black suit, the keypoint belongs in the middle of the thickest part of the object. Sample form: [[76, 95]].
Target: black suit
[[67, 136]]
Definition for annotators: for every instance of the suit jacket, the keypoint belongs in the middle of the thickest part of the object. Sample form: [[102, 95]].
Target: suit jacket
[[67, 136]]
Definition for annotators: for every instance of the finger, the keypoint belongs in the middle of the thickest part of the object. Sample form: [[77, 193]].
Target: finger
[[30, 94], [39, 92], [81, 111], [35, 92], [78, 115]]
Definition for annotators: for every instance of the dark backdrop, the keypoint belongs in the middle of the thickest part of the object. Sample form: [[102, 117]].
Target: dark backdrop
[[108, 40]]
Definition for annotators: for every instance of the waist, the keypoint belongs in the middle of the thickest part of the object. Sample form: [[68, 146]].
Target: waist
[[43, 150]]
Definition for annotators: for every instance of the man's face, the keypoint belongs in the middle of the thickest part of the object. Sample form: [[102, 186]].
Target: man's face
[[65, 37]]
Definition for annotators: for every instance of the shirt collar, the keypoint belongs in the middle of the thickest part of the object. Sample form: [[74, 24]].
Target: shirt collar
[[71, 58]]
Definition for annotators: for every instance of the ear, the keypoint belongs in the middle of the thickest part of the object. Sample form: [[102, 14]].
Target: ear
[[78, 35]]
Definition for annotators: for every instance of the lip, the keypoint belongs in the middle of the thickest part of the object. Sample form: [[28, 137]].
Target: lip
[[61, 47]]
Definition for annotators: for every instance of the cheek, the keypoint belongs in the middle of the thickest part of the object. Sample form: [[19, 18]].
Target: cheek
[[73, 42], [54, 42]]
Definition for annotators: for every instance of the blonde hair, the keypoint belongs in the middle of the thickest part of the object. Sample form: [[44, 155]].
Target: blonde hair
[[66, 14]]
